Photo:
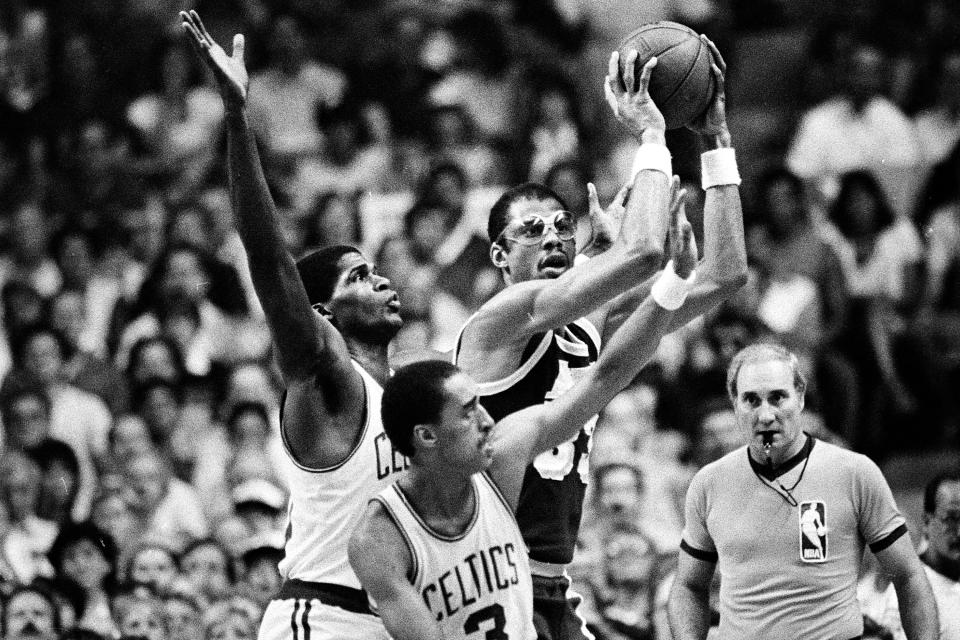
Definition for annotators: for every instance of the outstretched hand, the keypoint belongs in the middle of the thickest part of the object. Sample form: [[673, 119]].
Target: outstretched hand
[[681, 244], [632, 105], [604, 223], [713, 121], [229, 70]]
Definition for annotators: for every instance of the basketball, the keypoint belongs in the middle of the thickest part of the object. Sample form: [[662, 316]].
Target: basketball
[[681, 84]]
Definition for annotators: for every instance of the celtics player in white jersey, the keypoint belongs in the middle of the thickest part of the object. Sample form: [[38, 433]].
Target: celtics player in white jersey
[[440, 552], [786, 520], [331, 317]]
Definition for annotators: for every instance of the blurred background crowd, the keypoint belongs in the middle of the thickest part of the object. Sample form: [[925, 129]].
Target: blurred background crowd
[[141, 476]]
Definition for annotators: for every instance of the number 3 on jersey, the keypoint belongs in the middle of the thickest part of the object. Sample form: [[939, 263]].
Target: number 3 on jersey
[[557, 463], [493, 612]]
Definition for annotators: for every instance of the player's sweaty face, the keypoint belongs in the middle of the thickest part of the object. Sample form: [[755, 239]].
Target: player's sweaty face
[[466, 425], [550, 257], [364, 303], [768, 404]]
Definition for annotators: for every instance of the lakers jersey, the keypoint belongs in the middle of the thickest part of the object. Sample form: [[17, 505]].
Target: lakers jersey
[[554, 485], [326, 504], [477, 582]]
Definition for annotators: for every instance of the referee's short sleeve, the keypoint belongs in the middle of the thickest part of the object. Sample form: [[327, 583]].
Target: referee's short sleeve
[[696, 539], [881, 523]]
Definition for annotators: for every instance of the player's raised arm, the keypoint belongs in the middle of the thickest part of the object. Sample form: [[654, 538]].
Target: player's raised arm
[[723, 269], [298, 333], [535, 304], [380, 557], [519, 437]]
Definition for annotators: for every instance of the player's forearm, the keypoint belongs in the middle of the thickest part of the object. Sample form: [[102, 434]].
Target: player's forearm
[[272, 268], [689, 613], [633, 344], [620, 361], [918, 609], [723, 269], [645, 219]]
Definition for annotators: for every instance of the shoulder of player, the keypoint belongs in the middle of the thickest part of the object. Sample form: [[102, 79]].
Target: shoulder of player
[[519, 297], [321, 424], [378, 543]]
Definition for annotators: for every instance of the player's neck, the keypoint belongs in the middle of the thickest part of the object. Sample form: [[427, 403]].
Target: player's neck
[[373, 358], [446, 502]]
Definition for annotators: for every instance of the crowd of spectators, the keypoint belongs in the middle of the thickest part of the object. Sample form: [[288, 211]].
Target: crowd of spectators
[[141, 476]]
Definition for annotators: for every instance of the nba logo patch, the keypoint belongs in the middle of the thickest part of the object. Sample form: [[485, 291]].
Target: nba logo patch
[[813, 531]]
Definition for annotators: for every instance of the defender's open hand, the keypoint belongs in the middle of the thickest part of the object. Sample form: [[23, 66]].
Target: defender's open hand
[[230, 71]]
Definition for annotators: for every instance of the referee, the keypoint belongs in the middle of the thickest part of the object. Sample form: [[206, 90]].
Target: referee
[[786, 519]]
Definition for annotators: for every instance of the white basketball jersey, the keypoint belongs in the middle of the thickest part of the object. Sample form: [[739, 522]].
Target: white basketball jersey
[[477, 584], [326, 504]]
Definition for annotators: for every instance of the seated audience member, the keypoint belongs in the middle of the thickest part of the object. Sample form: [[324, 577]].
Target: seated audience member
[[141, 616], [91, 289], [556, 131], [937, 323], [232, 454], [880, 258], [261, 505], [568, 179], [182, 613], [260, 579], [178, 123], [77, 417], [858, 129], [484, 81], [208, 568], [59, 480], [22, 307], [289, 91], [153, 569], [941, 558], [26, 258], [230, 620], [30, 613], [26, 538], [82, 367], [182, 281], [627, 563], [168, 507], [155, 357], [452, 137], [352, 158], [333, 218], [461, 254], [804, 298], [86, 557], [25, 408]]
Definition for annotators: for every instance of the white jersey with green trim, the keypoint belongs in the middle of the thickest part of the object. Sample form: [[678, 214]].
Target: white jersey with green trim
[[326, 504], [477, 584]]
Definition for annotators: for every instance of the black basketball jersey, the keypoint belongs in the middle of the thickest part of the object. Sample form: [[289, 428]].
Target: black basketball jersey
[[551, 497]]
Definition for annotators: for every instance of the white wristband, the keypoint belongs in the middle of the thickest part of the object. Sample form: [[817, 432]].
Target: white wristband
[[652, 156], [718, 167], [670, 290]]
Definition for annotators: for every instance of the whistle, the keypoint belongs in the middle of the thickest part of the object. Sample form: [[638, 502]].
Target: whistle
[[767, 442]]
